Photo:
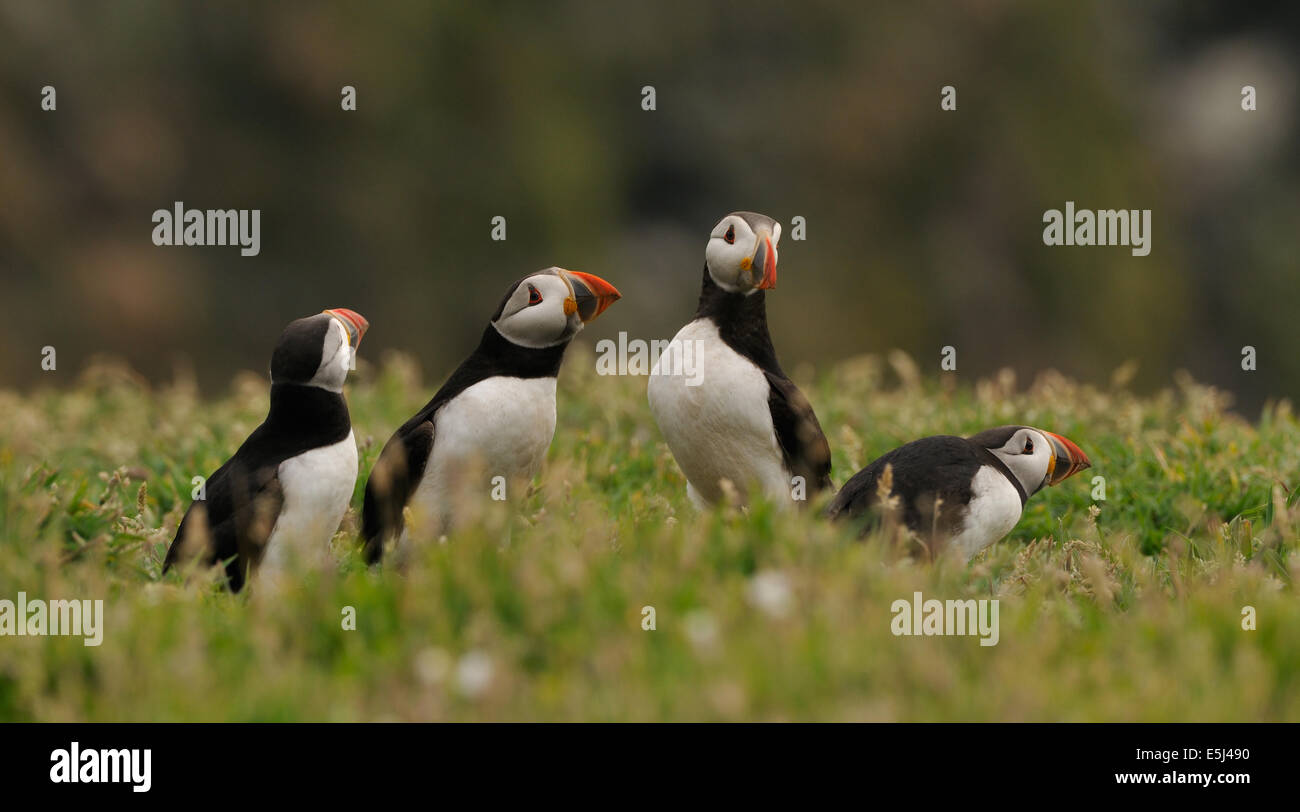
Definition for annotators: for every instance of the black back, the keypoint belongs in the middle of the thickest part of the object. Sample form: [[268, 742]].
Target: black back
[[243, 497], [401, 464], [925, 470], [742, 324]]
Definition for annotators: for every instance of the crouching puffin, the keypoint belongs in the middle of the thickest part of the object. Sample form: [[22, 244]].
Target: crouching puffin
[[963, 493], [492, 421], [281, 497], [737, 417]]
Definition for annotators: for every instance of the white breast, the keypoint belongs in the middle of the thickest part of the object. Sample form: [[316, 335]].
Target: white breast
[[722, 427], [499, 427], [317, 487], [993, 511]]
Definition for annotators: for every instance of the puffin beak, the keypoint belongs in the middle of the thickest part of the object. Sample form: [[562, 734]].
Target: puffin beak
[[1067, 459], [764, 261], [591, 294], [354, 322]]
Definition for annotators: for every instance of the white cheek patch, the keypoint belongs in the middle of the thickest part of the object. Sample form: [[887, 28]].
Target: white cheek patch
[[724, 258], [1029, 469], [537, 326], [724, 264], [540, 325], [333, 371]]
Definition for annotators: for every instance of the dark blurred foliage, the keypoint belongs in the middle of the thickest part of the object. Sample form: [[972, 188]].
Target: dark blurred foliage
[[924, 227]]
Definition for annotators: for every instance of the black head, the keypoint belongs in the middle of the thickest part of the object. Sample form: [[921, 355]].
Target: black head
[[1035, 457], [741, 254], [319, 350], [548, 308]]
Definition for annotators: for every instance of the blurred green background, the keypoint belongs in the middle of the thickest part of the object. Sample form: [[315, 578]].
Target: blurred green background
[[924, 227]]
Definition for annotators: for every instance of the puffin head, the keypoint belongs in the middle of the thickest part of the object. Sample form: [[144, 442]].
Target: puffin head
[[741, 254], [319, 350], [550, 307], [1035, 457]]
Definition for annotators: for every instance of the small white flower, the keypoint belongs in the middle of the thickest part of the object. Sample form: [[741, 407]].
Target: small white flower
[[474, 674], [769, 591]]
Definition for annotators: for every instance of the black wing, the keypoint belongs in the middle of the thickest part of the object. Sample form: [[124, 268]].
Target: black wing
[[232, 524], [243, 497], [394, 478], [923, 471], [803, 445]]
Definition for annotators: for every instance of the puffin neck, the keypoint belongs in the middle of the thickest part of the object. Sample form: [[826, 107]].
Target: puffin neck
[[741, 321], [296, 407], [504, 357], [495, 356], [1002, 466]]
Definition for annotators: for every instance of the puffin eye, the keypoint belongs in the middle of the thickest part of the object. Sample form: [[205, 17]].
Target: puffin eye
[[1029, 445], [730, 236], [533, 296]]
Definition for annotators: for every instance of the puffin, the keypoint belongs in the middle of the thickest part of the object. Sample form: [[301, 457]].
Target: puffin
[[486, 431], [279, 500], [738, 418], [963, 493]]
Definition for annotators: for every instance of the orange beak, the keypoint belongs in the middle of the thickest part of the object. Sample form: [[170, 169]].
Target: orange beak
[[591, 294], [354, 322], [765, 262], [1067, 459]]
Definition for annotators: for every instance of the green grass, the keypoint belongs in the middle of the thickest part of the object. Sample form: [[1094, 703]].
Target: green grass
[[1129, 610]]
